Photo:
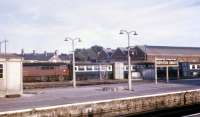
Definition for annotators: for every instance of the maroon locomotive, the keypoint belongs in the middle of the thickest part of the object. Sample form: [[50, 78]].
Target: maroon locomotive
[[44, 72]]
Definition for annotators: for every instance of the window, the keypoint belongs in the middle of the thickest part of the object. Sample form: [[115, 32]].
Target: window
[[193, 66], [76, 68], [1, 70], [81, 68], [89, 68], [109, 68], [198, 66], [96, 67], [126, 67]]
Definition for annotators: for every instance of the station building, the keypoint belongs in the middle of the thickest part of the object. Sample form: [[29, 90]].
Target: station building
[[187, 59]]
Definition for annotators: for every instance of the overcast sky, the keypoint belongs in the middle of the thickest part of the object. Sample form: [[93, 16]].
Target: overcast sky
[[43, 24]]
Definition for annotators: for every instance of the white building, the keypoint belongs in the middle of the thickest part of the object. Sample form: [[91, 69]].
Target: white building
[[11, 75]]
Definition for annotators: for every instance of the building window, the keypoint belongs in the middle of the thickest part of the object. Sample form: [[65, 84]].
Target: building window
[[198, 66], [193, 66], [1, 70]]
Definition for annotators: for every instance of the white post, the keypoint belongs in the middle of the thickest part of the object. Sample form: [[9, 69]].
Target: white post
[[73, 65], [100, 77], [167, 74], [129, 58], [178, 73], [0, 46], [156, 74], [73, 59], [129, 66]]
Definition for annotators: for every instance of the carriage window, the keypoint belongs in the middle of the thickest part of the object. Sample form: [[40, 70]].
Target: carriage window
[[96, 67], [89, 67], [76, 68], [109, 68], [1, 70], [81, 68]]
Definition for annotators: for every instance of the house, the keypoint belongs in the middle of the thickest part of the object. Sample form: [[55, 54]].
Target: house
[[105, 55], [85, 55], [41, 57], [120, 54]]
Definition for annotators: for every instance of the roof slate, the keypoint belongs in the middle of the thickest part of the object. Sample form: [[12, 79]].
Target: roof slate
[[169, 50], [38, 56]]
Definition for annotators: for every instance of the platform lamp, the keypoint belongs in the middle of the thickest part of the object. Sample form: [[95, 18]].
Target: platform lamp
[[128, 33], [73, 57]]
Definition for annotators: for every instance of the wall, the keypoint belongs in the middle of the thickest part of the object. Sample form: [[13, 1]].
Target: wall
[[14, 77], [115, 107], [11, 83]]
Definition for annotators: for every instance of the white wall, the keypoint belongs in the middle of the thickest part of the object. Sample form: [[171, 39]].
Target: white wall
[[11, 84], [3, 81], [14, 77], [118, 70]]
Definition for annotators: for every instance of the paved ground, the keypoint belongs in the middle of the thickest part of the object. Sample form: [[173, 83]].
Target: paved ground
[[58, 96]]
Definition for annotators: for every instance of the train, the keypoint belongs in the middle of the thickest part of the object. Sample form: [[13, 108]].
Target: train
[[49, 71], [45, 72]]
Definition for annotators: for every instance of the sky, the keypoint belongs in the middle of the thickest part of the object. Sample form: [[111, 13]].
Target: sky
[[42, 25]]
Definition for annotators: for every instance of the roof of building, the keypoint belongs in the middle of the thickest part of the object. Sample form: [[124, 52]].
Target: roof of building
[[86, 54], [65, 57], [10, 55], [169, 50], [38, 56]]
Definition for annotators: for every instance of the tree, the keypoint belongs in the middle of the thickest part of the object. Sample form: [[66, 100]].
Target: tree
[[97, 48]]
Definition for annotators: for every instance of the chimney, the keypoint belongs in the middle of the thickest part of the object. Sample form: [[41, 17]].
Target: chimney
[[45, 53], [22, 51], [33, 52], [56, 52]]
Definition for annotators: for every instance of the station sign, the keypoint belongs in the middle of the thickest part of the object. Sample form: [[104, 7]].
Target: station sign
[[166, 61]]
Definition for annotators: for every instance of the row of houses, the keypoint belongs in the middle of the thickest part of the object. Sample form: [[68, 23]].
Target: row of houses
[[81, 55], [138, 54]]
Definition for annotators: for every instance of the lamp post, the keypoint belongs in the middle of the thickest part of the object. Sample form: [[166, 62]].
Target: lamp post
[[73, 57], [129, 58]]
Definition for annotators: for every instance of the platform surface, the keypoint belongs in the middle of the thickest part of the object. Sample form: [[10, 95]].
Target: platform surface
[[59, 96]]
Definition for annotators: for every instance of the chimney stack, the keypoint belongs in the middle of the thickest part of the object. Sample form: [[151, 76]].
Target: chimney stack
[[22, 51], [33, 52], [56, 52], [45, 53]]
